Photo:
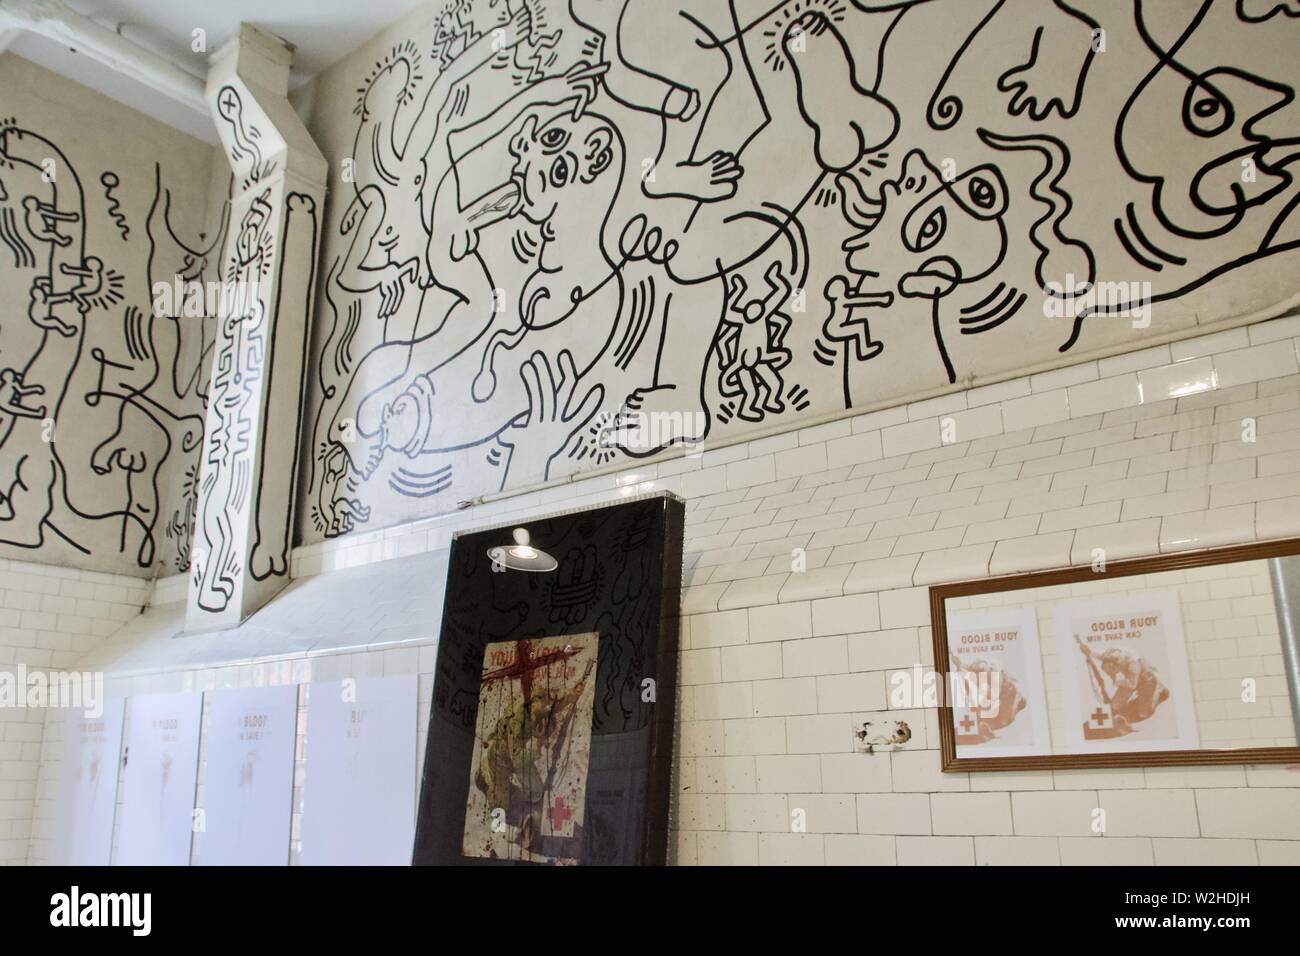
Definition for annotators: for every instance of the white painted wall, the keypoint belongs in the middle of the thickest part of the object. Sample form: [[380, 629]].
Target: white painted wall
[[114, 393]]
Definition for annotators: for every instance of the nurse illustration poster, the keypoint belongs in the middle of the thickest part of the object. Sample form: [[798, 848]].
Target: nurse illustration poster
[[1125, 676], [996, 683]]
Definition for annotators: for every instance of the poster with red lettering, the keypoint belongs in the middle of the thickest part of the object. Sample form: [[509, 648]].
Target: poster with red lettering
[[995, 683], [1124, 673], [532, 748]]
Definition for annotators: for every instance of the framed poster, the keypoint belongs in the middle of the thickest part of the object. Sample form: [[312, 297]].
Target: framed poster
[[550, 730], [1125, 680], [83, 816], [1141, 659], [248, 781], [162, 765], [359, 766], [532, 750], [999, 704]]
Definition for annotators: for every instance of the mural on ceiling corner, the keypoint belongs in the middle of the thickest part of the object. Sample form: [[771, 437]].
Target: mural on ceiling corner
[[101, 397], [582, 230]]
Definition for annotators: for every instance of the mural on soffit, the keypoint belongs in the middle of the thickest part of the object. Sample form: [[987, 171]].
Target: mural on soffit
[[101, 396], [579, 230]]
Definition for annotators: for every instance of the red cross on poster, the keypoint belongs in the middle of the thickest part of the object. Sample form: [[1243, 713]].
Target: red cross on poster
[[995, 683], [532, 747], [1124, 673]]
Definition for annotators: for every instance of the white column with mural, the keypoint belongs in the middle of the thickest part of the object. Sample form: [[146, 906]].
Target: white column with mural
[[242, 535]]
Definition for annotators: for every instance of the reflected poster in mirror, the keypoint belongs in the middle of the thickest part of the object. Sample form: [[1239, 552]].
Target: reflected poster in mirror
[[551, 725], [1126, 683], [1180, 659], [999, 705]]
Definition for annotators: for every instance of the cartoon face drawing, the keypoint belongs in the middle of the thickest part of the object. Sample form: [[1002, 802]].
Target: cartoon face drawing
[[952, 232], [562, 154], [926, 237], [1213, 138]]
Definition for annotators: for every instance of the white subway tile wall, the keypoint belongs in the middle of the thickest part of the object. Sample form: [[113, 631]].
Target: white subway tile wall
[[808, 559], [50, 618]]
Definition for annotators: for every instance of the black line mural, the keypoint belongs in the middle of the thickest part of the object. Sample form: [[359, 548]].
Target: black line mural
[[101, 394], [275, 485], [577, 230], [228, 448], [110, 182], [253, 426]]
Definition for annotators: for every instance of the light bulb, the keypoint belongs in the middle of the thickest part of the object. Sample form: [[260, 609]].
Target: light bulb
[[522, 556]]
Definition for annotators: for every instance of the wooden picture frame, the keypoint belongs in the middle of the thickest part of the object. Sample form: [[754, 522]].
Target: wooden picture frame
[[939, 594]]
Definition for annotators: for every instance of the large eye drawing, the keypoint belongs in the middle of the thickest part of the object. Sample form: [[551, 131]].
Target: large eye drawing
[[932, 230], [600, 162], [982, 193], [553, 138], [559, 172], [1206, 111]]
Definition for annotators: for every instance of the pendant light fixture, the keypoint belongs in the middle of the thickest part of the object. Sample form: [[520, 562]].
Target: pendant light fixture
[[522, 556]]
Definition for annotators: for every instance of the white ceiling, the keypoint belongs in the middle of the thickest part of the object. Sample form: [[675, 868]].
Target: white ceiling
[[322, 31]]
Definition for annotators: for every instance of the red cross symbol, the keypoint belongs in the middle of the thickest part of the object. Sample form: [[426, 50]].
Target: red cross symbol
[[559, 814], [1100, 717], [967, 724]]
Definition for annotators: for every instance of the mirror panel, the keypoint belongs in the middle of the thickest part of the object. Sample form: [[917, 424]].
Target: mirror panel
[[1181, 659]]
